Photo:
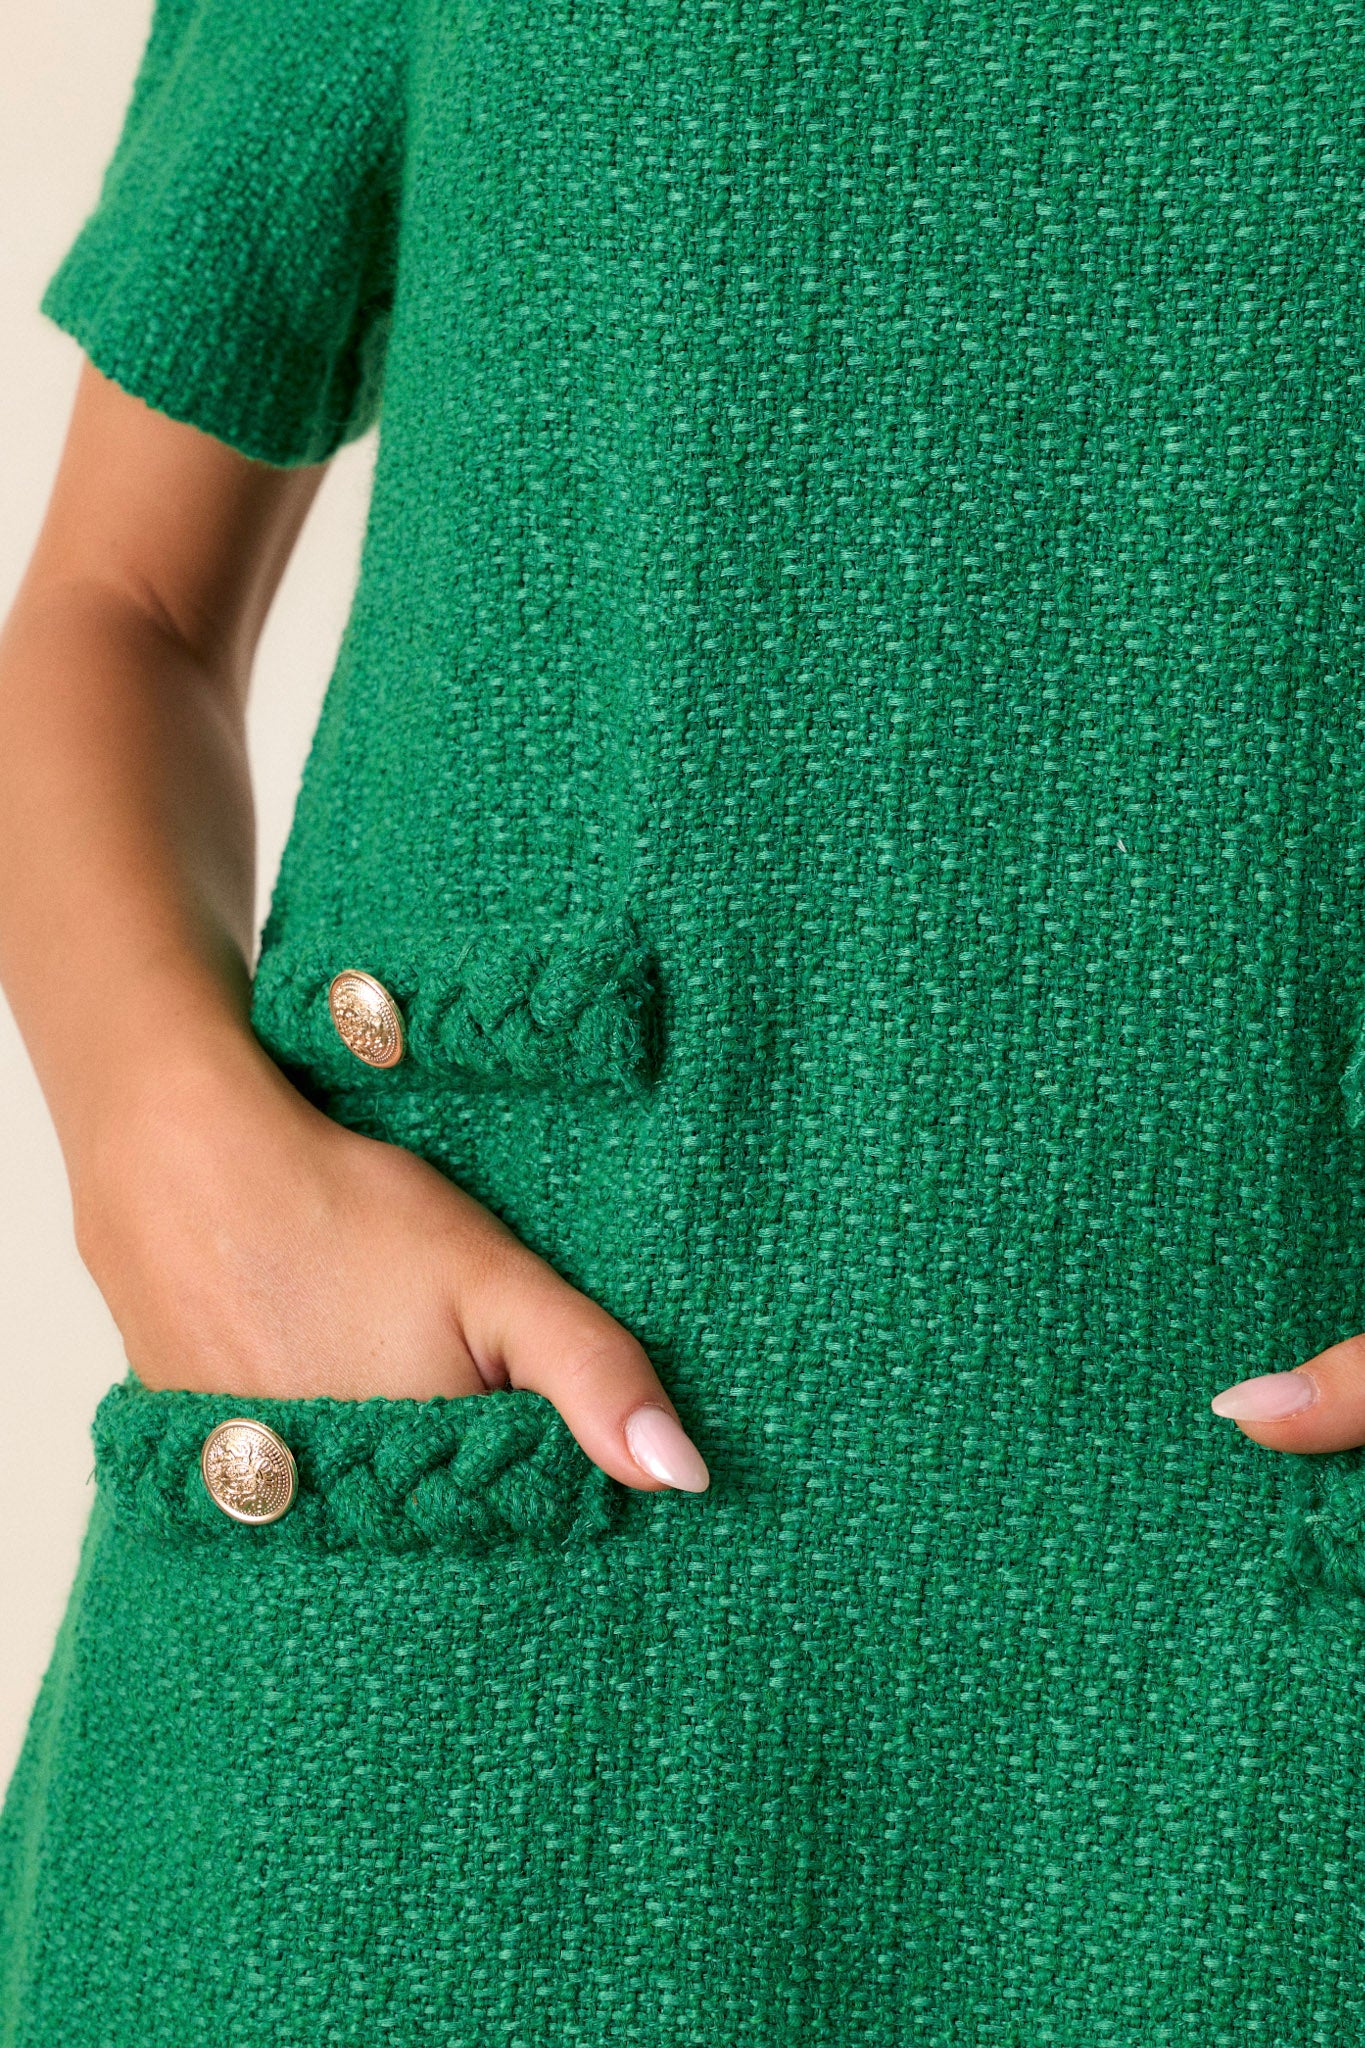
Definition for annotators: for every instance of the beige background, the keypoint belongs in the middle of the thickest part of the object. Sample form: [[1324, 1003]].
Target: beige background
[[62, 93]]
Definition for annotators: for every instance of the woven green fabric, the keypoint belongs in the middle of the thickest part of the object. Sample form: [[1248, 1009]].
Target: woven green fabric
[[849, 750]]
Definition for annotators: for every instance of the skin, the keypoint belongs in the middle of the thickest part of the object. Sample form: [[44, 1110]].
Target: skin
[[244, 1241]]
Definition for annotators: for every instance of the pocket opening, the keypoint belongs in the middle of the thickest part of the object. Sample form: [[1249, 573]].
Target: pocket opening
[[460, 1475]]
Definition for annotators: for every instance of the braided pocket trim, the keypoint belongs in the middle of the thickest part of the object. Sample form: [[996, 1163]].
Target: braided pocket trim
[[460, 1476], [1324, 1552], [554, 1003], [1352, 1082]]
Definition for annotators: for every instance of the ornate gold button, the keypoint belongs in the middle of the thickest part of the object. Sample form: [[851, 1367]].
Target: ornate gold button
[[249, 1471], [366, 1017]]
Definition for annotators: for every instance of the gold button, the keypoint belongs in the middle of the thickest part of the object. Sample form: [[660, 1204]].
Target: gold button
[[366, 1017], [249, 1471]]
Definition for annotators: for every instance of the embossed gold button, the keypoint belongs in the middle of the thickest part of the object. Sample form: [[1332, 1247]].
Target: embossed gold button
[[249, 1471], [366, 1017]]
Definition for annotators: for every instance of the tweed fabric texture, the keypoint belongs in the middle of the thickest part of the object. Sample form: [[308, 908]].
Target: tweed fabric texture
[[849, 747]]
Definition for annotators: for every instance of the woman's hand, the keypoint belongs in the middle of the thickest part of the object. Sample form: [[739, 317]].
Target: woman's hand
[[1319, 1406], [247, 1244]]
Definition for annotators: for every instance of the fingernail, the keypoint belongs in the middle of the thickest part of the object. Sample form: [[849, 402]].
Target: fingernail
[[1267, 1398], [659, 1446]]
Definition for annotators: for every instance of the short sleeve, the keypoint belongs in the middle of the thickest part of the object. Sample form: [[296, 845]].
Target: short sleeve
[[237, 270]]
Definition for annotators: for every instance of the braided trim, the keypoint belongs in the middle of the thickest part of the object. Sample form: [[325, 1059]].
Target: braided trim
[[460, 1476], [1352, 1082], [1324, 1550], [563, 1003]]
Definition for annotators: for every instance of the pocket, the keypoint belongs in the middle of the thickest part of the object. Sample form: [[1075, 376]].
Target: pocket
[[461, 1476], [561, 1003]]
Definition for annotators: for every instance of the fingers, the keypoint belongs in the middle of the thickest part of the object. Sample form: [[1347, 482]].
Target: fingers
[[542, 1333], [1320, 1406]]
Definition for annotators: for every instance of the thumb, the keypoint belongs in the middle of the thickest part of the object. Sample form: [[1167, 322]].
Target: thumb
[[1319, 1406], [540, 1332]]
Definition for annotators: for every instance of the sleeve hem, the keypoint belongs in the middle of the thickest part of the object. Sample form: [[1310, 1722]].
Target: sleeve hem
[[144, 373]]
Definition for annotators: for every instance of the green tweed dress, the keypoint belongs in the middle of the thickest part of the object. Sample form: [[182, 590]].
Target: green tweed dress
[[848, 757]]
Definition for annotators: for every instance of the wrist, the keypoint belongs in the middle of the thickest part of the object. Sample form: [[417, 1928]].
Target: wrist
[[185, 1089]]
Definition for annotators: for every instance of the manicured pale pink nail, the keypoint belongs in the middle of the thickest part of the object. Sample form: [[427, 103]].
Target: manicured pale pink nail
[[1267, 1398], [660, 1447]]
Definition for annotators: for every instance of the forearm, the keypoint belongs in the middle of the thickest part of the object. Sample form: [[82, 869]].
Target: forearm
[[126, 857], [243, 1240]]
